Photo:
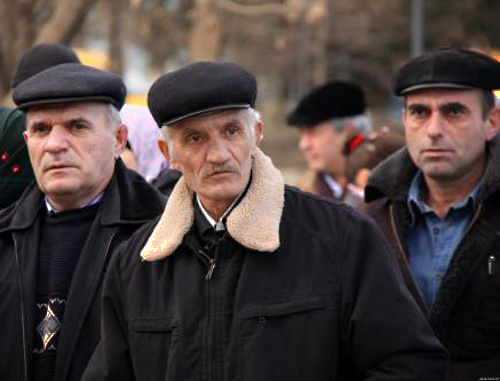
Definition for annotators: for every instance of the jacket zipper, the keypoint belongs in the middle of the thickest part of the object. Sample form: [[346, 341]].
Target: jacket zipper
[[211, 263], [23, 317]]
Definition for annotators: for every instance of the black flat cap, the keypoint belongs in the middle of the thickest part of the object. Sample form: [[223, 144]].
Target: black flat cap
[[448, 68], [41, 57], [71, 82], [198, 88], [335, 99]]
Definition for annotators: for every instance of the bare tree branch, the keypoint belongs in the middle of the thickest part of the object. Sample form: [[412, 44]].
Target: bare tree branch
[[252, 10], [66, 21]]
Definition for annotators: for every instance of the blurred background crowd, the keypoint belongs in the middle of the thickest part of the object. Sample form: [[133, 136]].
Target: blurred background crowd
[[292, 46]]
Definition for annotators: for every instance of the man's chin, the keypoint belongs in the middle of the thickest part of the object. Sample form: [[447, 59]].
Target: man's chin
[[60, 189]]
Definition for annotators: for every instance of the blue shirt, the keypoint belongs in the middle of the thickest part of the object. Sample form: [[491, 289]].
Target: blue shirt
[[431, 241]]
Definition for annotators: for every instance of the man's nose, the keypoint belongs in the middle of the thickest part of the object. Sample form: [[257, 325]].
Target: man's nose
[[218, 151], [435, 125], [57, 140], [304, 141]]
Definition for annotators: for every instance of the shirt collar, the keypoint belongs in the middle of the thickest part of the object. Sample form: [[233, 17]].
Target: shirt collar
[[333, 185], [417, 191], [52, 211]]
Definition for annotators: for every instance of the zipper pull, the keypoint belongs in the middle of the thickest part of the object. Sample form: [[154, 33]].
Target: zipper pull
[[491, 261], [210, 269]]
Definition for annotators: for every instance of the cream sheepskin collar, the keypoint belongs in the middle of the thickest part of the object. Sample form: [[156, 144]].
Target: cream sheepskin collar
[[254, 222]]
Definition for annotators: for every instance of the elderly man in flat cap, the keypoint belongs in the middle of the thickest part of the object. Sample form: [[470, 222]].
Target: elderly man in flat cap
[[243, 278], [327, 118], [56, 241], [438, 203]]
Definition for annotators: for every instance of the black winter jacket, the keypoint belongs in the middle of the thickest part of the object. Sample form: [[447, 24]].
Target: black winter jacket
[[301, 288], [128, 203], [466, 313]]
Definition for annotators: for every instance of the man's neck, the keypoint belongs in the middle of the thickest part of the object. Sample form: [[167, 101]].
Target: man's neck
[[61, 205], [441, 196], [340, 179], [216, 209]]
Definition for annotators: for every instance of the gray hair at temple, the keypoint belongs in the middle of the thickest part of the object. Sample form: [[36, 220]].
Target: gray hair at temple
[[360, 122]]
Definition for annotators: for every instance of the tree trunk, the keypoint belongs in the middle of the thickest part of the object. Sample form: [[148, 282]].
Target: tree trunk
[[205, 38], [65, 22]]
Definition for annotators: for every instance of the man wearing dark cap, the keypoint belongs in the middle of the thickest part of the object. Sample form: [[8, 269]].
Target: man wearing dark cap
[[438, 203], [327, 118], [55, 242], [16, 173], [245, 278]]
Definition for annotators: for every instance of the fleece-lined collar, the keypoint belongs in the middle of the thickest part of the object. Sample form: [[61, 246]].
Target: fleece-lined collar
[[254, 222]]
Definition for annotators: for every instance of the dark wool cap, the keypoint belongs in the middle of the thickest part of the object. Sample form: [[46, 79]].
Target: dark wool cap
[[448, 68], [70, 82], [198, 88], [42, 57], [335, 99]]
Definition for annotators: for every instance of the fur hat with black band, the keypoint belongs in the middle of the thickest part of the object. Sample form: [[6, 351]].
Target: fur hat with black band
[[198, 88], [336, 99], [67, 83], [42, 57], [448, 68]]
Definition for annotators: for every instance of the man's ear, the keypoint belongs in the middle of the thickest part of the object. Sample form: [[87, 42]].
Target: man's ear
[[163, 146], [25, 136], [259, 126], [493, 124], [121, 137]]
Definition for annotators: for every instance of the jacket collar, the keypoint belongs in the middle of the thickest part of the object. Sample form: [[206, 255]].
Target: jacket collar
[[254, 222], [392, 178], [128, 198]]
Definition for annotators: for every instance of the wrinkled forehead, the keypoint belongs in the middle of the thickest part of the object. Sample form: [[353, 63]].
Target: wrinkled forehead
[[66, 111], [212, 120], [468, 97]]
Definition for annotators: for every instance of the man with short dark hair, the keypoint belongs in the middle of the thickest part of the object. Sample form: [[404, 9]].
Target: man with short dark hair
[[56, 241], [438, 202], [327, 118], [245, 278]]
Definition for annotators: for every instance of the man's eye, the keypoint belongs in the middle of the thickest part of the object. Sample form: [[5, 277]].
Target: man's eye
[[38, 129], [193, 138], [418, 112], [455, 111], [78, 126], [232, 130]]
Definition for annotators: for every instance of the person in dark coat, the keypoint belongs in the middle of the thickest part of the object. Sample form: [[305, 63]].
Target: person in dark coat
[[56, 241], [328, 117], [438, 202], [244, 278]]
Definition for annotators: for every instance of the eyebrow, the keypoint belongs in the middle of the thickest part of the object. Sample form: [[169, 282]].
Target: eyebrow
[[38, 123], [453, 105], [442, 107]]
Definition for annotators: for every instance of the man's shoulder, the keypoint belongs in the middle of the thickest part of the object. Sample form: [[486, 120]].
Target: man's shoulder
[[317, 212], [128, 253], [21, 214]]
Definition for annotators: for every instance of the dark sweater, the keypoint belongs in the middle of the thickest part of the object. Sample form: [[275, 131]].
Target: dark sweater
[[63, 236]]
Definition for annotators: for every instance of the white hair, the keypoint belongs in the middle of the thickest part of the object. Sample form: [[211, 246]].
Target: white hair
[[113, 115], [360, 122], [253, 118]]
